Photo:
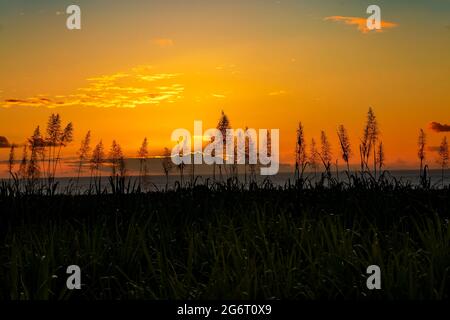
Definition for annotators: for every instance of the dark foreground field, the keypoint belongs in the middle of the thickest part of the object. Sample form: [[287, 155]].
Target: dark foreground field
[[228, 243]]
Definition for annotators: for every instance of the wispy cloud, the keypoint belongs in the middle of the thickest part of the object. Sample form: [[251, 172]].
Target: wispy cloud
[[231, 68], [438, 127], [360, 23], [138, 86], [163, 42], [277, 93], [220, 96], [39, 100]]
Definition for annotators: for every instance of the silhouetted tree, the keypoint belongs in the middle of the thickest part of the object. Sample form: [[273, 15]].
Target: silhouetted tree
[[83, 152], [116, 159], [234, 166], [143, 158], [97, 160], [374, 132], [301, 158], [192, 167], [182, 164], [252, 166], [346, 150], [54, 133], [421, 153], [167, 164], [36, 144], [368, 142], [443, 156], [65, 139], [313, 158], [55, 140], [246, 155], [380, 156], [11, 160], [122, 166], [213, 154], [325, 153], [33, 170], [24, 163], [222, 126]]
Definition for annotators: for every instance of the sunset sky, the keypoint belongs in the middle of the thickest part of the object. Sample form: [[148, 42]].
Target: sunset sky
[[144, 68]]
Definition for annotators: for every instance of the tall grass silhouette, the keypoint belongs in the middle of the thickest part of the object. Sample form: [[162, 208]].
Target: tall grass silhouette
[[224, 239]]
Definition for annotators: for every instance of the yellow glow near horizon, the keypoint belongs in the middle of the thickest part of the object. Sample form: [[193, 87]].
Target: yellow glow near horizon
[[268, 66]]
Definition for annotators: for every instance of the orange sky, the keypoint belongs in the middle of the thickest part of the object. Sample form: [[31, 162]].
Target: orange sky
[[144, 69]]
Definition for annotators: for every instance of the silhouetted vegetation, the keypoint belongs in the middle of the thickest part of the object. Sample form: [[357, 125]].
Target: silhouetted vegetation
[[83, 153], [143, 162], [346, 151], [225, 239], [443, 156], [300, 154], [167, 165]]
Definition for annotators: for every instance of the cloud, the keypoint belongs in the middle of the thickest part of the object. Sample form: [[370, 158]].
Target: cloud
[[229, 68], [220, 96], [34, 101], [438, 127], [163, 42], [360, 23], [277, 93], [138, 86], [4, 143], [161, 76]]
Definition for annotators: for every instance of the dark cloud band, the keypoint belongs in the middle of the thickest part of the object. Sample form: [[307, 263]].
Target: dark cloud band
[[438, 127], [4, 143]]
